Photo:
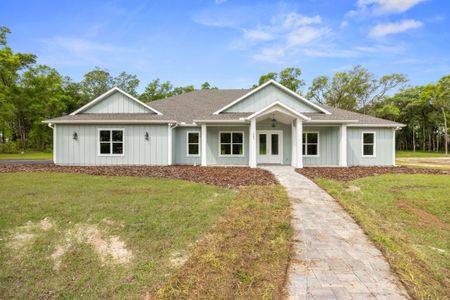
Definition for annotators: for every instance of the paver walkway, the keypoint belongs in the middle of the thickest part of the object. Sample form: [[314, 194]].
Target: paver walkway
[[333, 257]]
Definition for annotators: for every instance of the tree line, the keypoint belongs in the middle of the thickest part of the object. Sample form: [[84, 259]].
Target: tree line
[[31, 93]]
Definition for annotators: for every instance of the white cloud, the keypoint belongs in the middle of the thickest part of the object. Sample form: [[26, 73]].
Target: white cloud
[[257, 35], [295, 20], [305, 35], [384, 29], [382, 7], [220, 1]]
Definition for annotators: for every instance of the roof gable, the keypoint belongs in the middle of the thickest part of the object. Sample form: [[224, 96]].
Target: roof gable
[[270, 92], [116, 101]]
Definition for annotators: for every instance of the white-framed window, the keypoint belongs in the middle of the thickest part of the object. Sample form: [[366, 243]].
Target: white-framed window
[[193, 143], [310, 145], [110, 141], [368, 144], [231, 143]]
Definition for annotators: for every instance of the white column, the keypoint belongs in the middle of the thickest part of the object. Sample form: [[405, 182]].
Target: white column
[[203, 153], [393, 147], [299, 138], [294, 144], [252, 144], [169, 144], [54, 143], [343, 146]]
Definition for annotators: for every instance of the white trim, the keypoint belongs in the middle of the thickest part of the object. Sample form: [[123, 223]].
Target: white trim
[[376, 125], [306, 143], [187, 143], [295, 113], [299, 142], [109, 121], [333, 121], [220, 121], [294, 144], [268, 134], [393, 147], [203, 145], [231, 143], [374, 144], [111, 130], [169, 144], [277, 85], [252, 144], [110, 92], [54, 144], [343, 145]]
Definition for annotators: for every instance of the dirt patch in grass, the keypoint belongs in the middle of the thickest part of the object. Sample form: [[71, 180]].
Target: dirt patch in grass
[[424, 216], [220, 176], [352, 173], [244, 256]]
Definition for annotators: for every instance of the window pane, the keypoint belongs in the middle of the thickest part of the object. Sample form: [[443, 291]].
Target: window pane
[[274, 144], [225, 149], [312, 138], [225, 137], [368, 138], [262, 144], [312, 149], [304, 137], [303, 149], [117, 135], [368, 150], [237, 149], [105, 148], [237, 138], [117, 148], [193, 149], [193, 137], [104, 135]]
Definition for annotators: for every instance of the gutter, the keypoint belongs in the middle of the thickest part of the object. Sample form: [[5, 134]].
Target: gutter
[[110, 122]]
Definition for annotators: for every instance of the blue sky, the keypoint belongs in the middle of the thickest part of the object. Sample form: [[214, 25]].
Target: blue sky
[[231, 43]]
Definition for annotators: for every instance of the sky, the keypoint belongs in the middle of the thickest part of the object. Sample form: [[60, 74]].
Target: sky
[[231, 43]]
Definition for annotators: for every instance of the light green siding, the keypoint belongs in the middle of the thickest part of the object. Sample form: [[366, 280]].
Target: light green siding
[[287, 137], [117, 103], [137, 150], [212, 148], [328, 147], [383, 147], [180, 146], [267, 96]]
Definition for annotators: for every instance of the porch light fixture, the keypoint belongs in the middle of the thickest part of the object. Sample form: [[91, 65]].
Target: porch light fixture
[[75, 136], [274, 121], [146, 136]]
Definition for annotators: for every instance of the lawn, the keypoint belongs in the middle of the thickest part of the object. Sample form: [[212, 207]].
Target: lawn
[[408, 218], [84, 236], [27, 155], [401, 154]]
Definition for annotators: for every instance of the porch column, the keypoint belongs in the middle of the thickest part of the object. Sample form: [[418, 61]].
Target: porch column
[[294, 144], [252, 144], [343, 146], [169, 144], [299, 139], [203, 152], [393, 147]]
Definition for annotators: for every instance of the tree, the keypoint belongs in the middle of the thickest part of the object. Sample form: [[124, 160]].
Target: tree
[[127, 83], [289, 77], [442, 102], [317, 90], [95, 83], [206, 86], [156, 90]]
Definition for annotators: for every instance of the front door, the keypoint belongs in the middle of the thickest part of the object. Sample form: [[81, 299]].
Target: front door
[[269, 145]]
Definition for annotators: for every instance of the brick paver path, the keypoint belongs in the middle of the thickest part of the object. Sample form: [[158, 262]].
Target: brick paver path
[[333, 257]]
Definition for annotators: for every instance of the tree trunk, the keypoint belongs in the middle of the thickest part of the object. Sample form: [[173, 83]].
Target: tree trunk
[[414, 141], [445, 132]]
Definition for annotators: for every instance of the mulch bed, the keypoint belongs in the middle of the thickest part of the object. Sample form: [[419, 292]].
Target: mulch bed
[[352, 173], [222, 176]]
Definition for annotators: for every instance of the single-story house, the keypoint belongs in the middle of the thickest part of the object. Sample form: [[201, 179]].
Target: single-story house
[[266, 125]]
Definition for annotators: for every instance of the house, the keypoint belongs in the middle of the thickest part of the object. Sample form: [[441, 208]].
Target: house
[[266, 125]]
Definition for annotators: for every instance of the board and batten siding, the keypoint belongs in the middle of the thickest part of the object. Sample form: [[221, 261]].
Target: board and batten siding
[[384, 140], [117, 103], [267, 96], [137, 150], [287, 137], [180, 146], [212, 147], [328, 147]]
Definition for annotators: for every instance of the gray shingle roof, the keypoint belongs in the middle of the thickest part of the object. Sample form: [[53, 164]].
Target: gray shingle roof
[[201, 104]]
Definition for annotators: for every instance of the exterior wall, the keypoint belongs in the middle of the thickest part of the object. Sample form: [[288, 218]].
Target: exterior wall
[[287, 137], [328, 147], [180, 146], [137, 150], [265, 97], [383, 147], [117, 103], [212, 147]]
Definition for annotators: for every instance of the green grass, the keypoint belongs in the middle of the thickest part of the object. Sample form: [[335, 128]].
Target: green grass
[[408, 218], [156, 220], [27, 155], [402, 154]]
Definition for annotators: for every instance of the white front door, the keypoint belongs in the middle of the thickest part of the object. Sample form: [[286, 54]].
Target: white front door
[[269, 146]]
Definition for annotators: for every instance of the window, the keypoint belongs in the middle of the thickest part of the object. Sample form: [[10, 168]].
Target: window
[[193, 143], [110, 141], [368, 144], [231, 143], [310, 144]]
